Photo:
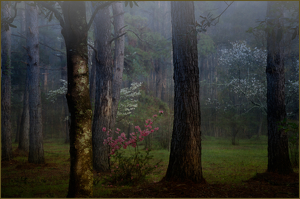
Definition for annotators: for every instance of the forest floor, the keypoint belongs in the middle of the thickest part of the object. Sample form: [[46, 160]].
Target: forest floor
[[229, 171]]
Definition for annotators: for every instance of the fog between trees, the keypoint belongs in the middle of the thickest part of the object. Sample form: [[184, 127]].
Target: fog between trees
[[129, 62]]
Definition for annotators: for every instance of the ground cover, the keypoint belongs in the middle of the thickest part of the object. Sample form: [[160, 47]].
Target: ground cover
[[230, 171]]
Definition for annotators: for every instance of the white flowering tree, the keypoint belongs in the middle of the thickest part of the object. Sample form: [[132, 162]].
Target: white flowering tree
[[128, 98], [246, 70], [54, 94]]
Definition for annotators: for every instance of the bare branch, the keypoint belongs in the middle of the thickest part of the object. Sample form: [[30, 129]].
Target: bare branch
[[116, 37], [96, 52], [101, 6], [57, 14], [39, 43], [6, 22]]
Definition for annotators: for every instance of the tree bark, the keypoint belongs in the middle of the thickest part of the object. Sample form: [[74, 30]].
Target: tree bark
[[36, 151], [103, 96], [74, 31], [24, 126], [6, 88], [278, 154], [185, 155], [93, 78], [118, 58]]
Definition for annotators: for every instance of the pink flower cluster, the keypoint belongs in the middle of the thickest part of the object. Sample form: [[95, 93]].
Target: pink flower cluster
[[122, 141]]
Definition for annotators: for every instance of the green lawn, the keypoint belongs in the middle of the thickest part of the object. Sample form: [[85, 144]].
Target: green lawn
[[222, 163]]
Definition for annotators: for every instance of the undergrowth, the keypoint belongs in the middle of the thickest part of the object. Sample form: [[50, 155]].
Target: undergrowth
[[222, 163]]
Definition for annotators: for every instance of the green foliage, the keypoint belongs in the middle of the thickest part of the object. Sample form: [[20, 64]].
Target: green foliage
[[205, 45], [292, 130], [142, 47], [132, 169]]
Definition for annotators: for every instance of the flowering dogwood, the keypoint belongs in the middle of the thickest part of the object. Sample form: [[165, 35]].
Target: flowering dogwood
[[128, 99]]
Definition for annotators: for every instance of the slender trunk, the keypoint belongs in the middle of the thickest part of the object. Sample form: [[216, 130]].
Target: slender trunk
[[158, 74], [24, 126], [36, 151], [278, 154], [93, 78], [185, 155], [118, 59], [6, 89], [74, 32], [103, 100]]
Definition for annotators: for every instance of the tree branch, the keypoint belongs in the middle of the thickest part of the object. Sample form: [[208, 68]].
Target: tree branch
[[57, 14], [96, 52], [116, 37], [6, 22], [101, 6], [39, 43]]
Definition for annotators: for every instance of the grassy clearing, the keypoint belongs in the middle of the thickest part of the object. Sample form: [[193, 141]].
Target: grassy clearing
[[222, 163]]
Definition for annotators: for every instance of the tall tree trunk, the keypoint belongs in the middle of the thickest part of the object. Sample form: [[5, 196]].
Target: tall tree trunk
[[6, 88], [158, 74], [278, 154], [74, 32], [64, 76], [36, 151], [118, 58], [24, 126], [103, 100], [185, 155], [93, 78]]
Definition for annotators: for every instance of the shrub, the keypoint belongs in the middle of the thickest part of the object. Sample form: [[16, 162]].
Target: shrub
[[133, 168]]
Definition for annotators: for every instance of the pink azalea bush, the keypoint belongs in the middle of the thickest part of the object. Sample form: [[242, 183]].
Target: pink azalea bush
[[134, 168]]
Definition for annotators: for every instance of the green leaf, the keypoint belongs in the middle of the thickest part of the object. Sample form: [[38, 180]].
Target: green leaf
[[131, 4], [126, 3], [136, 3]]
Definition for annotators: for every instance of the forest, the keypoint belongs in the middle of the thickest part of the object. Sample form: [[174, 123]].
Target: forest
[[140, 99]]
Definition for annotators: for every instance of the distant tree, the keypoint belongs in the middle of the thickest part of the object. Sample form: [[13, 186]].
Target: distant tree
[[23, 135], [36, 151], [103, 96], [6, 85], [118, 57], [185, 155], [278, 154]]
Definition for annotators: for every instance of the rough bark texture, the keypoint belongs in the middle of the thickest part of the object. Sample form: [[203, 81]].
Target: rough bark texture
[[36, 151], [278, 154], [23, 139], [93, 79], [103, 97], [24, 125], [6, 88], [65, 112], [185, 155], [118, 58], [74, 32]]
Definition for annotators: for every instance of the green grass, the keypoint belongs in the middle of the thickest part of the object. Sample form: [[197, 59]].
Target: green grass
[[222, 163]]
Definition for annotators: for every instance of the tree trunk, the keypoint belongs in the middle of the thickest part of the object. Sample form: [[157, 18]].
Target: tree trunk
[[74, 32], [65, 112], [36, 151], [6, 88], [185, 155], [118, 59], [278, 154], [158, 74], [103, 98], [93, 78], [24, 126]]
